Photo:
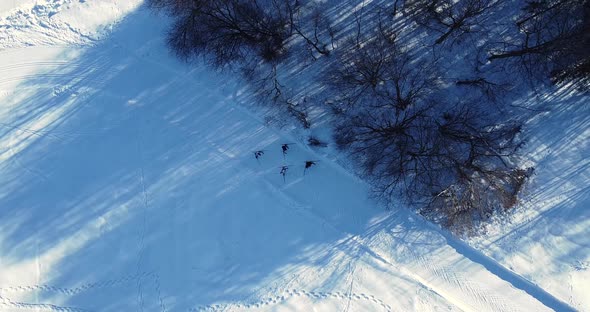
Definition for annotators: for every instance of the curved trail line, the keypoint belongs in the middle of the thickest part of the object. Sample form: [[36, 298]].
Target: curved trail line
[[141, 250], [7, 302], [39, 306], [294, 293], [76, 290]]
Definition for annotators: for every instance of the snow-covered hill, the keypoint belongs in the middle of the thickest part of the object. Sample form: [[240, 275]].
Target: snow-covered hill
[[129, 183]]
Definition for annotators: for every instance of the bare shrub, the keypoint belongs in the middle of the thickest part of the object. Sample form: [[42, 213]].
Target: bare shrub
[[265, 84], [315, 142]]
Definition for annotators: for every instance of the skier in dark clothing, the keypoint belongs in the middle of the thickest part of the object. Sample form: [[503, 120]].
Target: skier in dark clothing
[[258, 154], [284, 172], [308, 164], [285, 148]]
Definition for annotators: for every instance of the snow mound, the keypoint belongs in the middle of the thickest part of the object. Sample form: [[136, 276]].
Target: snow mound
[[60, 22]]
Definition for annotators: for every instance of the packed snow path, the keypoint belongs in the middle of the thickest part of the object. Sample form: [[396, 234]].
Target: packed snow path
[[129, 184]]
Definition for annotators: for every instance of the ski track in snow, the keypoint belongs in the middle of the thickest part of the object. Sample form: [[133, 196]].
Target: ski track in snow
[[478, 294], [447, 275]]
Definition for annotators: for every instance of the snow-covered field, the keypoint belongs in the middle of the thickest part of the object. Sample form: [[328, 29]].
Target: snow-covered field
[[128, 183]]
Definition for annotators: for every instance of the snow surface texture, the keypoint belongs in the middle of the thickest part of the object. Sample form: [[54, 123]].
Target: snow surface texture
[[129, 184]]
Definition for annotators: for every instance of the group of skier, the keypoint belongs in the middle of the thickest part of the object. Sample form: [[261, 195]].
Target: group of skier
[[284, 168]]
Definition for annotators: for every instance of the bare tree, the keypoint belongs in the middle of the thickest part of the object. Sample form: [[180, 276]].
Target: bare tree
[[228, 31], [451, 160], [314, 27], [553, 36], [231, 31], [449, 17], [376, 70], [253, 35], [265, 83], [490, 91], [455, 164], [471, 168]]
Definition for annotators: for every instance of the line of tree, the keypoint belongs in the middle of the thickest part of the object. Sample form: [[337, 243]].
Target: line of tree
[[454, 158], [229, 32]]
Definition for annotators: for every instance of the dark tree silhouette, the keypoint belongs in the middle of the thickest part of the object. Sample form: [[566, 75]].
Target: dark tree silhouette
[[227, 31], [378, 71], [253, 36], [453, 159], [314, 27], [446, 161], [554, 37], [450, 18], [491, 91], [234, 31]]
